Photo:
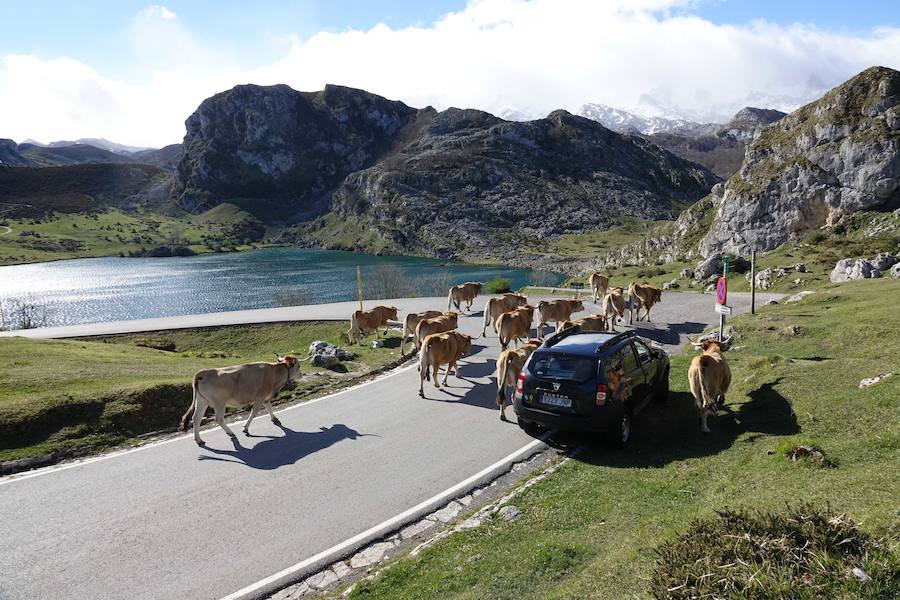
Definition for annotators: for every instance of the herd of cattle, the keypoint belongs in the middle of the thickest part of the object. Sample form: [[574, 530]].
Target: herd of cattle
[[436, 339]]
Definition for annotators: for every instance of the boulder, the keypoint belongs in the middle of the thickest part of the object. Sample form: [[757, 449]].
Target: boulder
[[671, 285], [895, 271], [800, 268], [323, 354], [799, 296], [884, 261], [764, 279], [686, 274], [709, 266], [849, 269]]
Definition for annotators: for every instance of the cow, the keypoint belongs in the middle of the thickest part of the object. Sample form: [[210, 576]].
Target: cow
[[441, 349], [443, 322], [412, 320], [643, 296], [464, 292], [554, 311], [363, 322], [709, 378], [599, 285], [498, 305], [509, 365], [614, 307], [514, 325], [255, 384], [592, 323]]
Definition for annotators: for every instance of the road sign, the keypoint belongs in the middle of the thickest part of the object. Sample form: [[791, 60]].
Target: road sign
[[721, 290], [723, 310]]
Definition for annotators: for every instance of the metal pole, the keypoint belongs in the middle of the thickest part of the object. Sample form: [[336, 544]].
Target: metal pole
[[753, 281], [359, 286], [722, 316]]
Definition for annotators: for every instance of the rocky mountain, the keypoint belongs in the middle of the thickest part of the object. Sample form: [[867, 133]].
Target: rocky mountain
[[832, 157], [279, 153], [811, 169], [748, 122], [381, 176], [627, 122], [101, 143], [166, 157], [721, 155], [31, 155]]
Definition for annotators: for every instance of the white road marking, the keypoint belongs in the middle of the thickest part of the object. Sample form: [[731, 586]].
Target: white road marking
[[286, 576], [8, 230], [56, 469]]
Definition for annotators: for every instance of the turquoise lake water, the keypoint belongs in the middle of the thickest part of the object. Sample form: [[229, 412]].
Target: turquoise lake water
[[90, 290]]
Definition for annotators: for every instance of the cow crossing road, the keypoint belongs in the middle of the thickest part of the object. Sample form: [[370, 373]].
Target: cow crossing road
[[174, 520]]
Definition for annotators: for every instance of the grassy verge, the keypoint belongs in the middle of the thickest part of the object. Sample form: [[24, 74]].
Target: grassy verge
[[592, 529], [86, 395], [594, 244], [116, 233]]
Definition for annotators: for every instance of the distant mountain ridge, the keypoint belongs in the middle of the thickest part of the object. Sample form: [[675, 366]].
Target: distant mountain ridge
[[101, 143], [627, 122]]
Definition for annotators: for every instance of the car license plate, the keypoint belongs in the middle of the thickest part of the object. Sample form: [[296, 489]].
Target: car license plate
[[556, 400]]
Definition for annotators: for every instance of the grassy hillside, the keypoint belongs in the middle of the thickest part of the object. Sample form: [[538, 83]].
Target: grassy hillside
[[86, 395], [591, 529], [114, 232]]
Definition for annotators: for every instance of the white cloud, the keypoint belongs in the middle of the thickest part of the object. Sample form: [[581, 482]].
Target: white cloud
[[532, 56]]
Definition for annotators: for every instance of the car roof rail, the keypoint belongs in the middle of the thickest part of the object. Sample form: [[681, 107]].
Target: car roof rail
[[623, 335], [558, 337]]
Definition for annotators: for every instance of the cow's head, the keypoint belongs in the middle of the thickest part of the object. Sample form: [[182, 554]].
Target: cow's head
[[293, 365], [712, 346], [577, 305], [391, 312], [521, 299], [465, 346]]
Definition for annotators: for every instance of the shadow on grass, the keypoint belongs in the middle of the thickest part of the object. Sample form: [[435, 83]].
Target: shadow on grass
[[278, 451], [664, 433]]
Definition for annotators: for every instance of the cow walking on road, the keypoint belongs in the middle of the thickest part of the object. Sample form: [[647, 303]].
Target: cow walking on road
[[441, 349], [599, 285], [509, 365], [241, 385], [498, 305], [554, 311], [412, 321], [643, 296], [368, 321], [614, 307], [465, 292]]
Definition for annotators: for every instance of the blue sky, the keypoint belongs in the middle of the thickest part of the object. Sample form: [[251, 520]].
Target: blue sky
[[133, 70]]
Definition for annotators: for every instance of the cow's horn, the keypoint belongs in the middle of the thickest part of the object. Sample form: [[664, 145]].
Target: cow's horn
[[693, 342]]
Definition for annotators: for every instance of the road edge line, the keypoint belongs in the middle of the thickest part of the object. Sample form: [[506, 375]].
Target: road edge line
[[296, 572]]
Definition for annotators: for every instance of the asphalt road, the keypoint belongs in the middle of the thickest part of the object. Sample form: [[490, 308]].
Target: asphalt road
[[172, 520]]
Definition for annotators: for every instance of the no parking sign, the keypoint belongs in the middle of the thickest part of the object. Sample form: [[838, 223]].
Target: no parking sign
[[721, 290]]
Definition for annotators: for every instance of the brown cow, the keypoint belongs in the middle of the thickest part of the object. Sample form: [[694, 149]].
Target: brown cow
[[412, 320], [592, 323], [643, 296], [363, 322], [441, 349], [465, 292], [554, 311], [709, 378], [509, 365], [444, 322], [599, 285], [614, 307], [498, 305], [240, 385], [514, 325]]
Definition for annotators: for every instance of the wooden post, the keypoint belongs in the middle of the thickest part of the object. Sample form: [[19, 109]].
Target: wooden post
[[359, 286], [753, 281]]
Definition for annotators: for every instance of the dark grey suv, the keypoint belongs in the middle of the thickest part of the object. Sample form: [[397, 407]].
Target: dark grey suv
[[591, 381]]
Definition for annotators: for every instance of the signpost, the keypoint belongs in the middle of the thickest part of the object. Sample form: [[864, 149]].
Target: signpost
[[359, 285], [721, 296], [577, 286], [753, 282]]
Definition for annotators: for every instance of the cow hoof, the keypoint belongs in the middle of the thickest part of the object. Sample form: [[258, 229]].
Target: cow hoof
[[503, 418], [246, 431], [421, 394], [200, 442], [276, 421], [232, 435]]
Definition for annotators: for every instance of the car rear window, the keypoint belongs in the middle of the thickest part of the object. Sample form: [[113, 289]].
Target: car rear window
[[563, 366]]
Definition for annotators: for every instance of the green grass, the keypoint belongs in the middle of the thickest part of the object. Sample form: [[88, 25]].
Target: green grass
[[594, 244], [591, 530], [94, 393], [117, 233]]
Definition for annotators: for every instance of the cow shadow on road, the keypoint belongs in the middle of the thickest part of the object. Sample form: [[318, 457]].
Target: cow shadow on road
[[670, 432], [282, 450], [671, 334]]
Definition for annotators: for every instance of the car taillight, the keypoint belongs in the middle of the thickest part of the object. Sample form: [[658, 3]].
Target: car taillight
[[520, 384], [601, 394]]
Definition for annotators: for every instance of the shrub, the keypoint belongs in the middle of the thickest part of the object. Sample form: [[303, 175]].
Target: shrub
[[816, 237], [157, 343], [497, 285], [799, 552]]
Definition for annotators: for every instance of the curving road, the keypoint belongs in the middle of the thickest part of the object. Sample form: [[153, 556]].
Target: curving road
[[171, 520]]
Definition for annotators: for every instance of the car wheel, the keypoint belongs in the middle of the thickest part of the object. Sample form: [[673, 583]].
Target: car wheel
[[623, 433], [662, 390]]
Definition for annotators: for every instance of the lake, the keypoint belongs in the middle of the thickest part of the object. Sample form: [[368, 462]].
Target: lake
[[91, 290]]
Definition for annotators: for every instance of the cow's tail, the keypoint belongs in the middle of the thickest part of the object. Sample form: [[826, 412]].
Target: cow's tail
[[502, 368], [709, 403], [487, 317], [193, 406], [423, 360], [449, 299]]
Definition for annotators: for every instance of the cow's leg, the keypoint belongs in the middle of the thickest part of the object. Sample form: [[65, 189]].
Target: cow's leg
[[268, 404], [703, 426], [435, 371], [220, 419], [501, 400], [450, 367], [199, 412], [253, 410]]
